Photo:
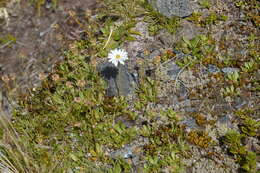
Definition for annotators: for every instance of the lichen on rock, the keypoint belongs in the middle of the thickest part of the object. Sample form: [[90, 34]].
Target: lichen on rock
[[169, 8]]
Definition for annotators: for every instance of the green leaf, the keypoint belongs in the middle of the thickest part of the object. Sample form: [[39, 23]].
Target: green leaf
[[73, 157]]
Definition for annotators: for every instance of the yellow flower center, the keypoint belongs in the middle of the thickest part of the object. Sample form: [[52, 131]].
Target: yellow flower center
[[118, 56]]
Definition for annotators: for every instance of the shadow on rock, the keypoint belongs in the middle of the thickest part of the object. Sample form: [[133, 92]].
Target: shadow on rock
[[119, 80]]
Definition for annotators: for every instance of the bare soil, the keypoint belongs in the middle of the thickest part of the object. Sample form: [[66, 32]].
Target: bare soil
[[40, 36]]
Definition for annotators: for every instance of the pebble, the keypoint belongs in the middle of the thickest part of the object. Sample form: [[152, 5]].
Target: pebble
[[228, 70], [190, 123], [239, 103], [224, 119], [173, 70], [213, 69], [125, 153]]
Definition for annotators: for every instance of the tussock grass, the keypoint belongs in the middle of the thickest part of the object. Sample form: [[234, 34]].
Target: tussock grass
[[14, 154]]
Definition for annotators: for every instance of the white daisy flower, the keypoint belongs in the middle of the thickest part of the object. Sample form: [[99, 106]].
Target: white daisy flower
[[117, 56]]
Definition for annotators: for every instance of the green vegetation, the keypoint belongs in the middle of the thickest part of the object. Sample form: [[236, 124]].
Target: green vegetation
[[250, 8], [7, 40], [68, 124], [234, 77], [230, 91], [158, 22], [199, 138], [164, 148], [70, 121], [147, 93], [248, 66], [110, 29], [245, 158], [205, 3], [129, 10], [233, 139], [40, 3], [3, 3], [207, 21], [248, 126], [199, 48]]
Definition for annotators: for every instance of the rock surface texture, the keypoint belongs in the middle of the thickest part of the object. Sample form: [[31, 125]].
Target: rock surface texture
[[119, 80], [170, 8]]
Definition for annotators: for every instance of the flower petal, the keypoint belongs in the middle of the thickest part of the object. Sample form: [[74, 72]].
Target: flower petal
[[112, 56]]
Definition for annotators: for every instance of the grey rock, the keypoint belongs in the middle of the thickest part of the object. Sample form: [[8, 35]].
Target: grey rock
[[119, 80], [213, 69], [183, 92], [169, 8], [239, 102], [225, 119], [154, 54], [190, 123], [125, 153], [186, 29], [137, 47], [201, 164], [252, 144], [228, 70], [5, 105], [131, 151], [190, 109], [48, 5], [4, 168], [179, 54], [173, 70], [223, 124]]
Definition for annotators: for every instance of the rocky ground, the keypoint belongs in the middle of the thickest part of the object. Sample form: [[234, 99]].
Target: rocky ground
[[191, 84]]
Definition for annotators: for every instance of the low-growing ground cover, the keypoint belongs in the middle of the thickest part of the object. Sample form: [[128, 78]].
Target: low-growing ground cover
[[195, 106]]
